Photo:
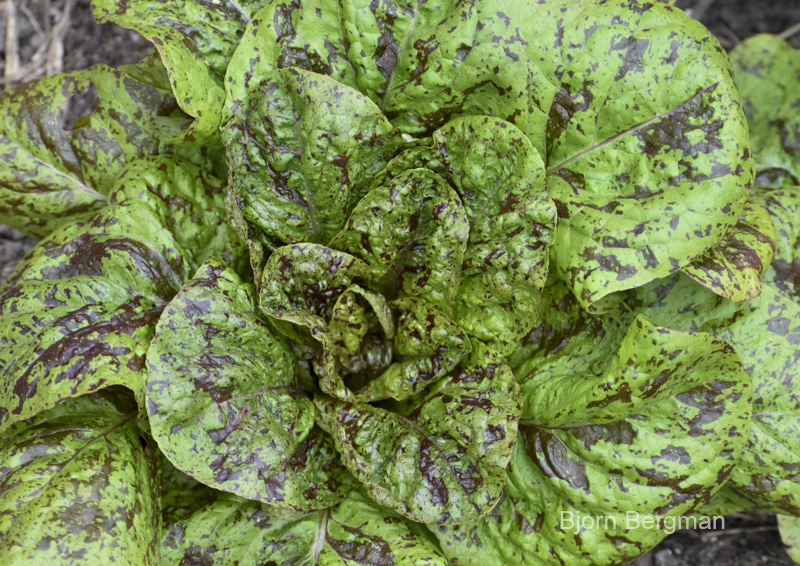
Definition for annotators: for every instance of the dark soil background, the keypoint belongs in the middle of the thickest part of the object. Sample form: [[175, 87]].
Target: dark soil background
[[39, 37]]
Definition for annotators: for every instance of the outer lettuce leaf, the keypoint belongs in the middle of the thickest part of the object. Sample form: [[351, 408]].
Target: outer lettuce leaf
[[766, 68], [202, 526], [196, 40], [790, 535], [726, 501], [656, 433], [412, 232], [303, 150], [223, 404], [656, 126], [357, 44], [734, 267], [80, 310], [766, 333], [646, 144], [783, 205], [51, 176], [76, 487], [441, 458], [568, 340]]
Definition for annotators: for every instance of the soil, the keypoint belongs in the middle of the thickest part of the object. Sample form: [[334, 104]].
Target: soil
[[43, 46]]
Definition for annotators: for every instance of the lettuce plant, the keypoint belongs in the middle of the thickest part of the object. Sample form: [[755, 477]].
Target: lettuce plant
[[399, 283]]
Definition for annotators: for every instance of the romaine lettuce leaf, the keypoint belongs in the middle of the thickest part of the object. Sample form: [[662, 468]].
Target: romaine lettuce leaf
[[223, 403], [53, 176], [652, 432], [80, 309], [76, 487]]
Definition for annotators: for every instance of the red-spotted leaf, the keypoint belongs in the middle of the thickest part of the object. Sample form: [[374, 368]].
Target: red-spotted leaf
[[54, 172], [734, 267], [303, 150], [80, 309], [439, 459], [195, 40], [223, 403], [651, 434], [412, 232], [76, 487]]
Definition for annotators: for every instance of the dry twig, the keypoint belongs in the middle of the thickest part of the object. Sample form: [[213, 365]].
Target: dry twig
[[790, 31], [12, 43]]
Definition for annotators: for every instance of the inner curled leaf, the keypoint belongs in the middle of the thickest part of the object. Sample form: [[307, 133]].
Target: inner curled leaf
[[363, 347]]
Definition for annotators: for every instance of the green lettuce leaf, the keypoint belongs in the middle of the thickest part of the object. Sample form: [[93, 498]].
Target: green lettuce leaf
[[76, 487], [202, 526], [632, 107], [301, 285], [783, 205], [790, 535], [439, 459], [196, 40], [647, 154], [359, 352], [654, 434], [303, 150], [412, 232], [427, 345], [568, 339], [499, 177], [734, 267], [766, 334], [80, 309], [766, 69], [223, 403], [53, 176]]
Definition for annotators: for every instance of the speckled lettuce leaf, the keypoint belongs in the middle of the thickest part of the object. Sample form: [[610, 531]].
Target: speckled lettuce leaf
[[726, 501], [302, 150], [632, 106], [76, 487], [313, 295], [362, 346], [766, 69], [734, 267], [440, 458], [568, 339], [412, 232], [765, 332], [196, 40], [189, 199], [53, 176], [231, 531], [223, 403], [647, 153], [82, 306], [656, 433], [783, 205], [500, 179], [301, 285], [790, 535], [357, 45], [427, 345]]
